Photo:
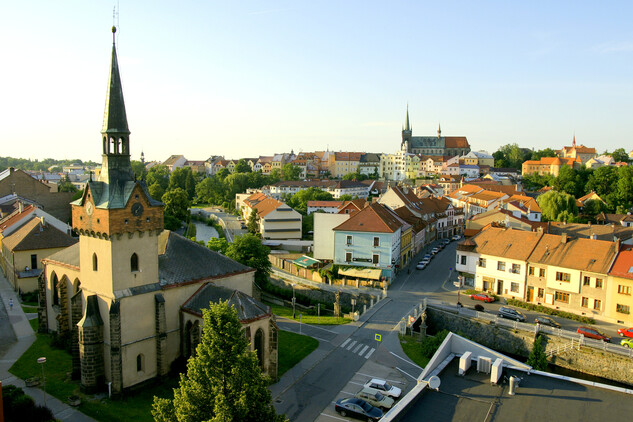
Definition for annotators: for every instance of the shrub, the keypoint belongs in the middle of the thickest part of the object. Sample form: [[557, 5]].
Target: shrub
[[479, 307], [550, 311], [18, 406], [537, 358], [429, 345]]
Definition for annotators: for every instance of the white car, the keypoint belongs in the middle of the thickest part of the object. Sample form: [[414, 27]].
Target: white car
[[457, 237], [384, 387]]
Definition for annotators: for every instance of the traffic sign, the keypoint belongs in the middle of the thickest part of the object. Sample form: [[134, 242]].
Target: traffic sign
[[378, 337]]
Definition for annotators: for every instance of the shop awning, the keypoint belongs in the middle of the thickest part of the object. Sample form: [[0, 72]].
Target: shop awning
[[369, 273], [306, 261]]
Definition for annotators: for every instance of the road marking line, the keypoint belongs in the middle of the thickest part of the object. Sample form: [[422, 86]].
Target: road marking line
[[357, 383], [406, 373], [363, 351], [373, 376], [406, 360], [357, 347], [351, 345], [345, 342], [370, 353], [333, 417], [345, 392]]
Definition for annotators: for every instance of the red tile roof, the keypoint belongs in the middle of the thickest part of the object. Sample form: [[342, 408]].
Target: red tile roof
[[373, 218]]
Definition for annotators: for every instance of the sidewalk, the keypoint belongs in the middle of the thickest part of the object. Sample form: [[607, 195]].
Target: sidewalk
[[16, 336]]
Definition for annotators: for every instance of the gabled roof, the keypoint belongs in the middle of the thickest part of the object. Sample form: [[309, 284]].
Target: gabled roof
[[248, 309], [172, 160], [35, 235], [580, 254], [15, 217], [506, 242], [332, 204], [374, 218], [267, 205], [623, 264], [526, 201], [114, 195], [456, 142]]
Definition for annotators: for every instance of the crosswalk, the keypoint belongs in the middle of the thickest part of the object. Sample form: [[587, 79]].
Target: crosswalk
[[358, 348]]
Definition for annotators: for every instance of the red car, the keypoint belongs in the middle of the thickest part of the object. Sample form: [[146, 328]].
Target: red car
[[483, 297], [625, 332], [593, 333]]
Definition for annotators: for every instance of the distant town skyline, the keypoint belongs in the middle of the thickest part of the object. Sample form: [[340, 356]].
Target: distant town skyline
[[244, 79]]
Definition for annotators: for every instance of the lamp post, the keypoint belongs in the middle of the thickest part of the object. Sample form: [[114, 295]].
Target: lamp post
[[459, 289], [42, 361], [294, 300]]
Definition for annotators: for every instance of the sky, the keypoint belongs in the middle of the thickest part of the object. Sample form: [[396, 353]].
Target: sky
[[250, 78]]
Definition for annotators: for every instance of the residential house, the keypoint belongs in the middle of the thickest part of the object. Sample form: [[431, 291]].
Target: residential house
[[330, 207], [522, 206], [276, 219], [175, 162], [591, 196], [549, 165], [625, 220], [196, 166], [336, 187], [370, 238], [369, 164], [475, 200], [450, 183], [499, 217], [324, 224], [619, 288], [607, 232], [352, 207], [478, 158], [346, 163], [469, 171]]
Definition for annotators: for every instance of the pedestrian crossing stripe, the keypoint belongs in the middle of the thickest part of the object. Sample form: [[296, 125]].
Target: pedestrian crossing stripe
[[359, 348]]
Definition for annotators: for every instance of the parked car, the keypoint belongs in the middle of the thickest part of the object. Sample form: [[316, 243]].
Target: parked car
[[421, 265], [428, 256], [593, 333], [446, 241], [384, 387], [484, 297], [510, 313], [457, 237], [625, 332], [543, 320], [435, 250], [357, 408], [375, 398], [627, 342]]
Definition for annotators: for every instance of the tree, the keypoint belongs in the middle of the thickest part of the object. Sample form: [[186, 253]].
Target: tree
[[140, 172], [253, 222], [355, 176], [218, 244], [176, 203], [593, 207], [346, 197], [210, 190], [156, 191], [511, 156], [535, 181], [242, 166], [222, 173], [66, 185], [537, 358], [558, 206], [299, 201], [547, 152], [224, 381], [158, 174], [620, 155], [184, 179], [248, 250], [290, 172], [602, 180]]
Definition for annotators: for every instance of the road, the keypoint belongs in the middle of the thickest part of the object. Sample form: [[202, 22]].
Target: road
[[232, 225]]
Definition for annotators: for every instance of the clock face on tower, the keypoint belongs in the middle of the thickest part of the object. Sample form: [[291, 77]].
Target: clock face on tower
[[89, 208], [137, 209]]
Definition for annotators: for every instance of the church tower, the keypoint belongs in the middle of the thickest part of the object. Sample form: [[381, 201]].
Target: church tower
[[118, 224], [406, 133]]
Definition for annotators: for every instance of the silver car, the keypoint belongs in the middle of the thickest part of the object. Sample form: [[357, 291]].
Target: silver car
[[375, 398]]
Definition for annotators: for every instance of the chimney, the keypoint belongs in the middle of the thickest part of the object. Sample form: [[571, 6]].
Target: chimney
[[20, 207], [43, 222], [593, 236], [563, 238], [617, 244]]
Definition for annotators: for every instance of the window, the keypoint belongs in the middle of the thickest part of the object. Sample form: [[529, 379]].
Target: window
[[348, 257], [489, 283], [598, 283], [514, 287], [584, 302], [33, 261], [566, 277], [463, 260], [597, 304], [516, 269], [624, 290], [586, 280], [134, 262], [623, 309], [562, 297], [139, 363], [349, 240], [501, 266], [530, 270], [482, 262], [376, 242], [375, 258], [541, 292], [541, 272], [95, 262]]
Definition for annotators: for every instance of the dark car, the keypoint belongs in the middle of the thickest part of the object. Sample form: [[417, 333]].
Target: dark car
[[593, 333], [484, 297], [510, 313], [543, 320], [357, 408]]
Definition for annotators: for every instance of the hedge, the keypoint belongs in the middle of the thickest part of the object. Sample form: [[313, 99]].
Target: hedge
[[550, 311]]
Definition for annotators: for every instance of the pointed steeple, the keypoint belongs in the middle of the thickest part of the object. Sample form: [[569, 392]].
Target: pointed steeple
[[573, 143], [406, 121], [406, 133], [439, 130], [115, 133]]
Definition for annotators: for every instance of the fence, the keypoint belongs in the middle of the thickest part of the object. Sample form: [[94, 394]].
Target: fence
[[523, 326]]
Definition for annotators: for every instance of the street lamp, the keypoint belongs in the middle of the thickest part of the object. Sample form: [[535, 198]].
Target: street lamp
[[459, 289], [42, 361], [294, 300]]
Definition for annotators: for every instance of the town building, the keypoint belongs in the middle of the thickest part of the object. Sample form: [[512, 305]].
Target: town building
[[619, 301], [276, 220], [580, 153], [336, 187], [126, 295], [369, 164], [432, 145], [175, 162], [549, 165]]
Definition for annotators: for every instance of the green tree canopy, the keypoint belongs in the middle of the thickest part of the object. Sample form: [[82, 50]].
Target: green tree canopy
[[176, 203], [66, 185], [253, 222], [593, 207], [242, 166], [511, 156], [140, 172], [290, 172], [558, 206], [218, 244], [299, 201], [222, 173], [248, 250], [156, 191], [184, 179], [537, 358], [224, 381], [158, 174], [547, 152], [355, 176], [620, 155], [535, 181]]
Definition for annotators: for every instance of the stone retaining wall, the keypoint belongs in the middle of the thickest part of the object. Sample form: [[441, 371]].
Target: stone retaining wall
[[586, 360]]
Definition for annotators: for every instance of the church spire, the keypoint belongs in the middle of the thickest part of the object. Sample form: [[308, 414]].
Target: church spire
[[439, 130], [573, 143], [115, 130], [406, 121]]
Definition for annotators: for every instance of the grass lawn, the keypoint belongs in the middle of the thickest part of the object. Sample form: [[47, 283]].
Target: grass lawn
[[34, 324], [135, 406], [29, 309], [293, 348], [308, 319], [412, 348]]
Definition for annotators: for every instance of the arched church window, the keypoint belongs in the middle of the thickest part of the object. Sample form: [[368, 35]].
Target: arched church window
[[134, 262], [259, 346], [95, 262]]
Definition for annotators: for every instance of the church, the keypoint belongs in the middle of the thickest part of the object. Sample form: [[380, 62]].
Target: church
[[432, 145], [129, 295]]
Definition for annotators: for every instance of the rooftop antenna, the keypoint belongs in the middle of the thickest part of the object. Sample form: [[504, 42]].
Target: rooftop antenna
[[115, 16]]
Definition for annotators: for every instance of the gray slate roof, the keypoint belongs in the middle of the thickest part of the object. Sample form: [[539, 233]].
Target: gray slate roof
[[114, 195], [248, 309], [68, 256], [182, 261]]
